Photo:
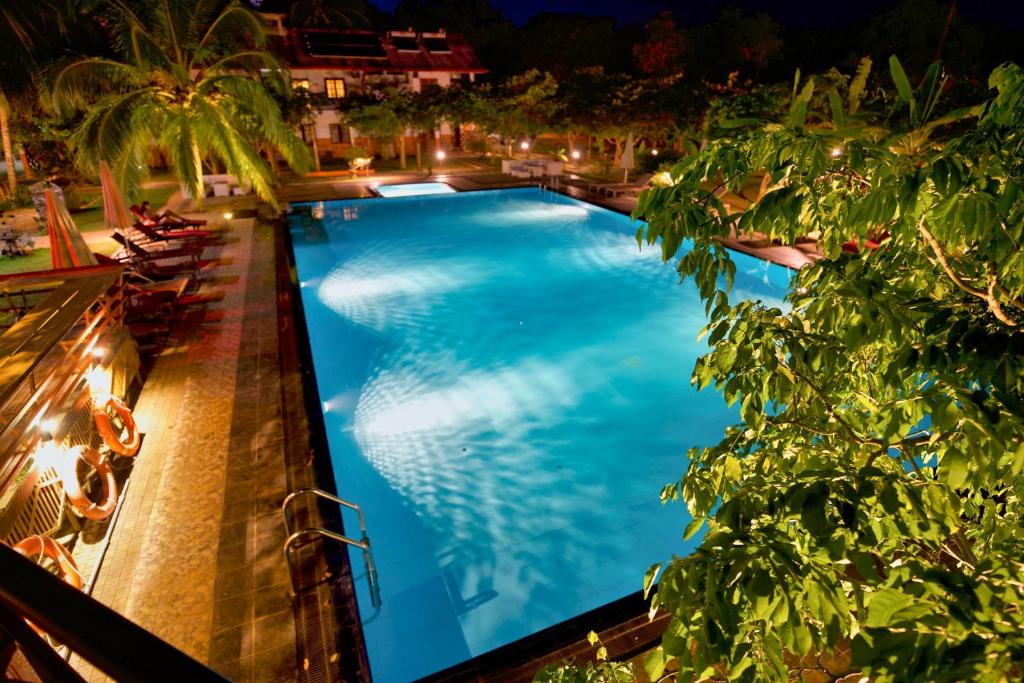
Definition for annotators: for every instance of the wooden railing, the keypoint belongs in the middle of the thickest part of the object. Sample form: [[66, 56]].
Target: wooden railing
[[45, 357]]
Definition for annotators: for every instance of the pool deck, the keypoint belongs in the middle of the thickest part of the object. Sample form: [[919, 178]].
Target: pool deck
[[195, 555]]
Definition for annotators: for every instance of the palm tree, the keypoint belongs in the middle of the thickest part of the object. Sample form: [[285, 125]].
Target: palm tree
[[193, 79]]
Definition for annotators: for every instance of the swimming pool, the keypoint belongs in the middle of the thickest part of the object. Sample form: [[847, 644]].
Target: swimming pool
[[505, 380], [413, 189]]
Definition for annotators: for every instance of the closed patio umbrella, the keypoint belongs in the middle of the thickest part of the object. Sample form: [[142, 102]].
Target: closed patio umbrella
[[626, 161], [67, 247], [115, 213]]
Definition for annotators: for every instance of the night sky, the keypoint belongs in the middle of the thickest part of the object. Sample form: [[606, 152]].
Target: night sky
[[825, 14]]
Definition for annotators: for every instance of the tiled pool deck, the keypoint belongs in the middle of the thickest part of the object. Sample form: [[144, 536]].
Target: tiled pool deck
[[196, 552]]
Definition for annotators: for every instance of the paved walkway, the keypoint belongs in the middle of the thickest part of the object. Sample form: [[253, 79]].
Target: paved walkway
[[195, 555]]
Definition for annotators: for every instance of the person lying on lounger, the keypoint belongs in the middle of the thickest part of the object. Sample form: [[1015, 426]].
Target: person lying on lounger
[[145, 214], [165, 218]]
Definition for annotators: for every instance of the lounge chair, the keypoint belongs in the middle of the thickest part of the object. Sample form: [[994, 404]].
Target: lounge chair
[[164, 225], [148, 271], [188, 236], [137, 251], [635, 187]]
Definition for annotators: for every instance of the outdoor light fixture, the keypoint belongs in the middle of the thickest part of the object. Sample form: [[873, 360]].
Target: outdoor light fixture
[[836, 152], [575, 154], [524, 145], [47, 427], [654, 152], [440, 155], [228, 215], [98, 380]]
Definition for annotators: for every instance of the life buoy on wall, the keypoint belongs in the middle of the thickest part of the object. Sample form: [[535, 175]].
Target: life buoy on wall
[[68, 469], [130, 446], [37, 547]]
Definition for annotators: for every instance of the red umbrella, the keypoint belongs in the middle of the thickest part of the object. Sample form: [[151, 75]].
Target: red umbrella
[[67, 247], [114, 211]]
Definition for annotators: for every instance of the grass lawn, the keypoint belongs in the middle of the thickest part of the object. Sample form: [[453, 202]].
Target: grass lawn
[[91, 220], [39, 259]]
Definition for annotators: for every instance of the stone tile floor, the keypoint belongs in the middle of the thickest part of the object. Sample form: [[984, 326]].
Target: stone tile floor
[[195, 555]]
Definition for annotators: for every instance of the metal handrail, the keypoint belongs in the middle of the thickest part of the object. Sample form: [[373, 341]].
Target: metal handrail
[[116, 646], [322, 494], [295, 537]]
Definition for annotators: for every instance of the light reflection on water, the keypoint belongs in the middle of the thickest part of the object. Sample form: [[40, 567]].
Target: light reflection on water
[[508, 382]]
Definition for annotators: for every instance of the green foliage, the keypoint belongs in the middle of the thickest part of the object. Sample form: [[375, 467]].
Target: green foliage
[[871, 493], [522, 105], [356, 152], [193, 78], [601, 671]]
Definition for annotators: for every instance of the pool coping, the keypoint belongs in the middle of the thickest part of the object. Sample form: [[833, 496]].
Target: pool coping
[[624, 626]]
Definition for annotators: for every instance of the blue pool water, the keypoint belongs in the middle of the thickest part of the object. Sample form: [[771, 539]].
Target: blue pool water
[[413, 189], [506, 387]]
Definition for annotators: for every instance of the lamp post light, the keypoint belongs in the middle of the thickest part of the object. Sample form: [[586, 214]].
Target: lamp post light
[[654, 152]]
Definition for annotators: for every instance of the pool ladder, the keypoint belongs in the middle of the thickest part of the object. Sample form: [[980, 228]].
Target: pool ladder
[[297, 539]]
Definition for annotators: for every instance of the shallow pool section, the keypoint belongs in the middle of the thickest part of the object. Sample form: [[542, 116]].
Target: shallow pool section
[[413, 189], [505, 381]]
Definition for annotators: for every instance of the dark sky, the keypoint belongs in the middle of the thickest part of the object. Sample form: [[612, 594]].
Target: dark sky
[[790, 13]]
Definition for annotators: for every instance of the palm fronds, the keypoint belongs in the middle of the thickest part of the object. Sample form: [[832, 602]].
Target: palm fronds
[[194, 80]]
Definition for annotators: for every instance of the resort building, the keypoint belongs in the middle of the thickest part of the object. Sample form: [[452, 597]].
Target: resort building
[[337, 63]]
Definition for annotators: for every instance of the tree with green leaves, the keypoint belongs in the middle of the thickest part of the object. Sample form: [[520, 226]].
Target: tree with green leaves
[[379, 118], [195, 80], [522, 105], [870, 495]]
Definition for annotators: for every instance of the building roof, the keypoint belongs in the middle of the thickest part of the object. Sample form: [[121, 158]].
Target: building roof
[[395, 51]]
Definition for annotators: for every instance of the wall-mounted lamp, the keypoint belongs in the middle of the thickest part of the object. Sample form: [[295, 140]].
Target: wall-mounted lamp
[[47, 427]]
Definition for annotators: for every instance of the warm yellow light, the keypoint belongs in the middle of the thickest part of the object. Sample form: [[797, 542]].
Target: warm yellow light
[[98, 379], [440, 155], [98, 352], [524, 145], [228, 215], [48, 426], [837, 152], [47, 455], [654, 152], [575, 154]]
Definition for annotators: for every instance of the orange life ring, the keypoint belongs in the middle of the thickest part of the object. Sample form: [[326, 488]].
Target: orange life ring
[[129, 446], [38, 547], [73, 487]]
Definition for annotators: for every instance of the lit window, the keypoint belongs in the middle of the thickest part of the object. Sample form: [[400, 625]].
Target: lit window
[[307, 132], [300, 83], [335, 88]]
